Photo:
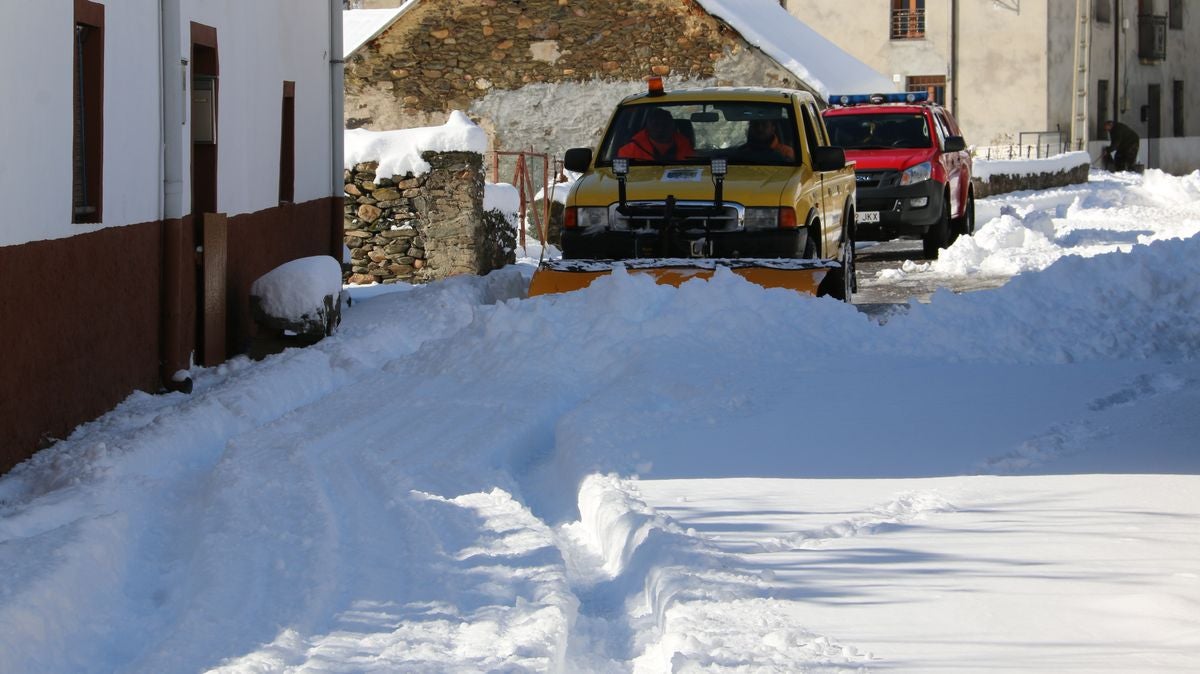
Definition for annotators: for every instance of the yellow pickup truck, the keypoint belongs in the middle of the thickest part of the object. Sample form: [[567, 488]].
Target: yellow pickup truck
[[688, 180]]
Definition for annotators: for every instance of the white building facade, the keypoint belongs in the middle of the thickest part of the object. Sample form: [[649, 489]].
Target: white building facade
[[160, 156]]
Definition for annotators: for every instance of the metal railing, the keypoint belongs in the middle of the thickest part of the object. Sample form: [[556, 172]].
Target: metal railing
[[1029, 145], [531, 185]]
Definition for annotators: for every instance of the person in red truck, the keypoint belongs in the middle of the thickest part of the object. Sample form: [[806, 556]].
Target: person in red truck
[[912, 168]]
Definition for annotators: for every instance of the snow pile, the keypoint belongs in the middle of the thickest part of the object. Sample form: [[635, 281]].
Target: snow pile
[[559, 191], [399, 152], [623, 479], [1006, 246], [984, 169], [1144, 304], [298, 288], [1025, 232], [1159, 187]]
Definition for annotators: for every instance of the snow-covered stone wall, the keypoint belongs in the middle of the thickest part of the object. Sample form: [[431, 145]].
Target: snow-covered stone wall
[[422, 227], [999, 176]]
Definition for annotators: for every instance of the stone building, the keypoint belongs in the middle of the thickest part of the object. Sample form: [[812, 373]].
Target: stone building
[[545, 74]]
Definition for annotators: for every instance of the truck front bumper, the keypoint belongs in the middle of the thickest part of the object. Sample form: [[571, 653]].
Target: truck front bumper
[[895, 211]]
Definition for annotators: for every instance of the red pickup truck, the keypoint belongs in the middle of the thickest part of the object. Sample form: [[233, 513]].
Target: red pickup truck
[[912, 168]]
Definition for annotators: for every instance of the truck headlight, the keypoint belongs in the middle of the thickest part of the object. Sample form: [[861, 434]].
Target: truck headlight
[[591, 217], [769, 218], [761, 218], [917, 174]]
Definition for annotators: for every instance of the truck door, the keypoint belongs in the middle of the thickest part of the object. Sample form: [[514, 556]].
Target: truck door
[[833, 188], [954, 163]]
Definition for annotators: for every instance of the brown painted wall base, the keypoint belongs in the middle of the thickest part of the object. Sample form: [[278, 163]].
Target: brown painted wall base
[[80, 331], [86, 321]]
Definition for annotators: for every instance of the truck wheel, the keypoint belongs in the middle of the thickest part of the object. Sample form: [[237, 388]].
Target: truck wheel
[[965, 224], [938, 236], [841, 283], [812, 232]]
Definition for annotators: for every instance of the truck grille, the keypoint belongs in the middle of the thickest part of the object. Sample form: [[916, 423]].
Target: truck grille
[[875, 178], [688, 214]]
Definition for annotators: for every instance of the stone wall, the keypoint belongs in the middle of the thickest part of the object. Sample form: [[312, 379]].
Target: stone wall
[[422, 228], [508, 63], [1000, 183]]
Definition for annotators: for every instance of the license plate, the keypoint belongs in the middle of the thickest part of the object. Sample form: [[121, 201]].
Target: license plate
[[866, 216]]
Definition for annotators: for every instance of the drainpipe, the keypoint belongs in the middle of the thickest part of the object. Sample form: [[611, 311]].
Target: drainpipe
[[174, 83], [162, 129], [336, 114], [172, 118]]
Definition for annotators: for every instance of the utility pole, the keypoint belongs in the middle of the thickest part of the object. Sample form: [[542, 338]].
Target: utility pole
[[955, 25], [1116, 85]]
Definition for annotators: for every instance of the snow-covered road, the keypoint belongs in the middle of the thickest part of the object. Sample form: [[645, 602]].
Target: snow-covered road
[[635, 478]]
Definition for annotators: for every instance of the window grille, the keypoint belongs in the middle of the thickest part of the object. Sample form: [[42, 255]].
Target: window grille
[[908, 19]]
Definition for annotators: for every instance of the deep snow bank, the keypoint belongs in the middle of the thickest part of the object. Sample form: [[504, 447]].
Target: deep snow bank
[[1117, 306]]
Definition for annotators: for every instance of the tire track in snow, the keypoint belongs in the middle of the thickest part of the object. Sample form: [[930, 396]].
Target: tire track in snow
[[1073, 437], [905, 508], [466, 584], [654, 598], [169, 450]]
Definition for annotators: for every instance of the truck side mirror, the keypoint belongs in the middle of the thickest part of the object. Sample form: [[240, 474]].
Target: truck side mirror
[[578, 159], [828, 158], [955, 144]]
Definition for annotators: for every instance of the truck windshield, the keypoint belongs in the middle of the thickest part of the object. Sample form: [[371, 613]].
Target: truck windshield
[[695, 132], [878, 131]]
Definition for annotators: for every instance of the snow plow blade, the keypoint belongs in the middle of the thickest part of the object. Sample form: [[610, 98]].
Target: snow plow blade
[[560, 276]]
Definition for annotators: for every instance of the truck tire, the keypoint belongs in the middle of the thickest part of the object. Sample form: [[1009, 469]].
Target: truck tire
[[841, 283], [965, 223], [938, 236]]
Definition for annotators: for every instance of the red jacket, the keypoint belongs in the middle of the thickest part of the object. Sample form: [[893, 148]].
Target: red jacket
[[641, 146]]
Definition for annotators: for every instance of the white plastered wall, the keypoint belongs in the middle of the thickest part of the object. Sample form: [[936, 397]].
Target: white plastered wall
[[36, 63], [261, 44]]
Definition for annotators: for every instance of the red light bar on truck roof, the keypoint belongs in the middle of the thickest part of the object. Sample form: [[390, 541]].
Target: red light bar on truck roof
[[654, 86], [877, 99]]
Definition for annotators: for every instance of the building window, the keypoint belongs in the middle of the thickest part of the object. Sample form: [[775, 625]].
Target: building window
[[908, 19], [1177, 109], [87, 145], [1103, 11], [1175, 14], [287, 145], [933, 85], [1101, 109]]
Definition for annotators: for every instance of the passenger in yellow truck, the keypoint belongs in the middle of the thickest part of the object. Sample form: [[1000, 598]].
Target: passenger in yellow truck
[[763, 144], [658, 141]]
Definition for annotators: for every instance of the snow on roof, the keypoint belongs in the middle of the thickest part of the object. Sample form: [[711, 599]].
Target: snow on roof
[[360, 26], [399, 152], [816, 61]]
